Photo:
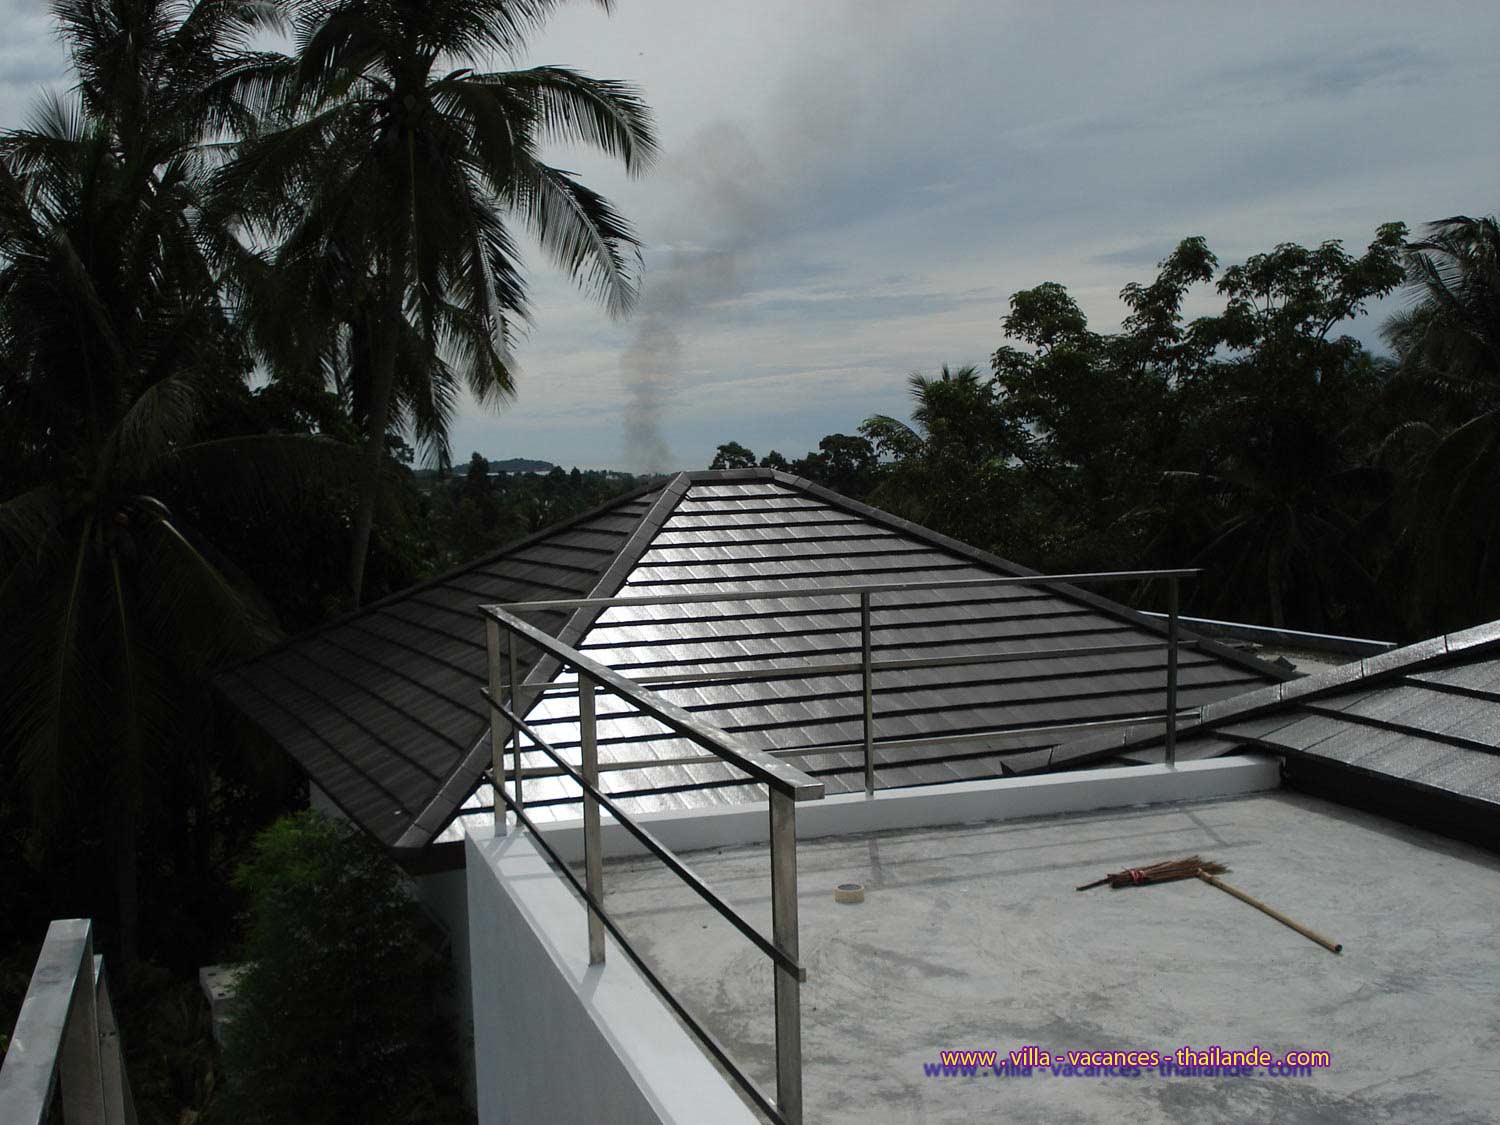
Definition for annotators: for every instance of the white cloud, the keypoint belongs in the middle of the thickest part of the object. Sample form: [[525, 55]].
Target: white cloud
[[850, 189]]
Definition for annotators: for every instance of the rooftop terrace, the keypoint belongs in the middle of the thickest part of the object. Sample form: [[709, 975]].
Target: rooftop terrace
[[972, 937]]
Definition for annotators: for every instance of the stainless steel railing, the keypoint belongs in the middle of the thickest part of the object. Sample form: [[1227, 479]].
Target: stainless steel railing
[[66, 1030], [868, 667], [786, 786], [509, 699]]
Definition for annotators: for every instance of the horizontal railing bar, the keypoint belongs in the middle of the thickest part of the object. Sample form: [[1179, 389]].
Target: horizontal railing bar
[[827, 591], [779, 775], [1325, 641], [889, 744], [802, 671], [988, 736], [702, 1033], [656, 847]]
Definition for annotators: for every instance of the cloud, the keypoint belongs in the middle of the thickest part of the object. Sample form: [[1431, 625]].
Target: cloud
[[851, 189]]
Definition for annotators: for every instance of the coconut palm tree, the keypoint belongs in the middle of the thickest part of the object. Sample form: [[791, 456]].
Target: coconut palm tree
[[164, 74], [1452, 330], [109, 334], [114, 347], [950, 466], [1449, 345], [396, 164]]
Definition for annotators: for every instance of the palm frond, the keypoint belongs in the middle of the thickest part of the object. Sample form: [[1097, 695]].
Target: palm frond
[[581, 231], [163, 416]]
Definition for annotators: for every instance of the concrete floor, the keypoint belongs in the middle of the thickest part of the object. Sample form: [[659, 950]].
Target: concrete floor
[[973, 938]]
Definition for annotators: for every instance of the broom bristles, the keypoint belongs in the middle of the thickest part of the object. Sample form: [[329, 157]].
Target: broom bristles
[[1165, 872]]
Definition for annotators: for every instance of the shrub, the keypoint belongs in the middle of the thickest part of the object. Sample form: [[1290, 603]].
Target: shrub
[[338, 1016]]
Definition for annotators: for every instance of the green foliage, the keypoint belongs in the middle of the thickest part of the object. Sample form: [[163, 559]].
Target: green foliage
[[1449, 348], [951, 467], [843, 462], [170, 1055], [732, 455], [338, 1016], [460, 520]]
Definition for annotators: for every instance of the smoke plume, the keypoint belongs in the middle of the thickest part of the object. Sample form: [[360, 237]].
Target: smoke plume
[[701, 264]]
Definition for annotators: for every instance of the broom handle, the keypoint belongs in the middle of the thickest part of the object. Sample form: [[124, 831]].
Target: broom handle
[[1331, 946], [1095, 883]]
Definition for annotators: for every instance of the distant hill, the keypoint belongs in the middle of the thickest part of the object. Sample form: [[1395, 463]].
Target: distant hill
[[521, 465]]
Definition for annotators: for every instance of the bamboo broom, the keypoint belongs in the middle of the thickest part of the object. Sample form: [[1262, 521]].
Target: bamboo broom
[[1166, 872], [1196, 867]]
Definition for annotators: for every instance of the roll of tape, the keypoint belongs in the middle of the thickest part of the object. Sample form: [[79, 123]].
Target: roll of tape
[[849, 892]]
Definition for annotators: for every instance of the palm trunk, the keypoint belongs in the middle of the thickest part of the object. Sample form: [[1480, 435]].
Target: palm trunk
[[127, 889], [383, 341]]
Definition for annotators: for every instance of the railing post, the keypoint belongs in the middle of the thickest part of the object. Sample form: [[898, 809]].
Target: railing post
[[515, 709], [784, 934], [869, 694], [593, 845], [1171, 671], [497, 740], [119, 1106]]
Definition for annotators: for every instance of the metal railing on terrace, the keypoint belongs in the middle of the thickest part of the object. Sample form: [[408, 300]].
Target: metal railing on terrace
[[509, 699], [66, 1030]]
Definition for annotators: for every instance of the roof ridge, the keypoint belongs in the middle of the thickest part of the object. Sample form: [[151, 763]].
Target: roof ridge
[[465, 774], [1376, 669]]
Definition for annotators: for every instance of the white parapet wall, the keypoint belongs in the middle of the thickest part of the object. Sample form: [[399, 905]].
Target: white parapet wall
[[556, 1039], [929, 806]]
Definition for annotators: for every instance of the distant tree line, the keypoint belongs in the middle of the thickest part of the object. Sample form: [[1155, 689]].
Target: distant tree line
[[1319, 485], [480, 511]]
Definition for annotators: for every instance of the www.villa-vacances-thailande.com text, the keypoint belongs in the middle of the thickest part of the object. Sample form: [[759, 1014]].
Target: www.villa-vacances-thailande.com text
[[1187, 1062]]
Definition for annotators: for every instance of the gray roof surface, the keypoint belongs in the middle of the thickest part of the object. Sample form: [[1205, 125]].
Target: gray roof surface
[[383, 708], [1425, 716]]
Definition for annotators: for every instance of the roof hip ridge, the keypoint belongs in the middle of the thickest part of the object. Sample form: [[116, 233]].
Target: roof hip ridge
[[467, 773]]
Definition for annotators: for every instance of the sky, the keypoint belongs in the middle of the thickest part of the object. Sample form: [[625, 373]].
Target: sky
[[850, 190]]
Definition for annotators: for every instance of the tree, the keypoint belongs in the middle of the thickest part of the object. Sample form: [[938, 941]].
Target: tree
[[1094, 414], [843, 462], [115, 354], [338, 1014], [950, 469], [732, 455], [1448, 344], [477, 483], [1278, 497], [112, 339], [393, 176]]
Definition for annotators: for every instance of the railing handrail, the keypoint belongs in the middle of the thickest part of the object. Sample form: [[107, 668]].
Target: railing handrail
[[778, 775], [66, 1031], [1081, 579]]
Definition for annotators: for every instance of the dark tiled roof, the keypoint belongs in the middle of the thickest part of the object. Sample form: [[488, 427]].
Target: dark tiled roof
[[764, 531], [383, 708], [1425, 717]]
